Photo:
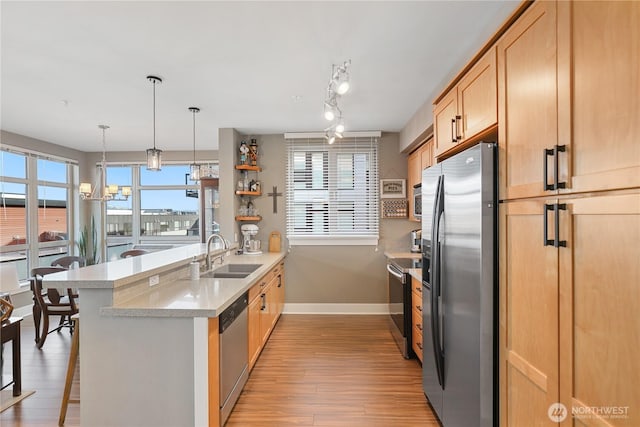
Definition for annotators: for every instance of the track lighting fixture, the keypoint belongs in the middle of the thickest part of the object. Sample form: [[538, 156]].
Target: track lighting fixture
[[338, 86], [340, 78]]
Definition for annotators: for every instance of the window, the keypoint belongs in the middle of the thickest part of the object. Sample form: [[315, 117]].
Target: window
[[163, 207], [332, 192], [34, 237]]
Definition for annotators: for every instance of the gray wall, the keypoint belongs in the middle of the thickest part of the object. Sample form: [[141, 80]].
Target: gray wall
[[331, 274]]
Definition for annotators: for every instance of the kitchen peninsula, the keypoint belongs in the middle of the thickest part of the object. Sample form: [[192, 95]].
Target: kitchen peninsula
[[149, 337]]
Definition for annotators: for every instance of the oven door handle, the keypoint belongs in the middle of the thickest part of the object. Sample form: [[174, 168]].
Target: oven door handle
[[398, 274]]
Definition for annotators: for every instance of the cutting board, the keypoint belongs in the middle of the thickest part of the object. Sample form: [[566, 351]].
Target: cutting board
[[274, 242]]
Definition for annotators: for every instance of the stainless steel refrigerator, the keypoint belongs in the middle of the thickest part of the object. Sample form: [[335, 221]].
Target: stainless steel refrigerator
[[459, 250]]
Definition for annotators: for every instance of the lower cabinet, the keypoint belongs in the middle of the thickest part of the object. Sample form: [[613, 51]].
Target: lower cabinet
[[569, 298], [266, 301], [416, 317]]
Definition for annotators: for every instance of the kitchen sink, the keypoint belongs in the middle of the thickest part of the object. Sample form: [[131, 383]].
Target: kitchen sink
[[232, 271]]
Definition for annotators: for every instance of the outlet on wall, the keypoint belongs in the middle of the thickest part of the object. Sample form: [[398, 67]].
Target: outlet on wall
[[154, 280]]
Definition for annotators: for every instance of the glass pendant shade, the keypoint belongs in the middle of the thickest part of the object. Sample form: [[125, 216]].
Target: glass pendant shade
[[194, 173], [154, 159]]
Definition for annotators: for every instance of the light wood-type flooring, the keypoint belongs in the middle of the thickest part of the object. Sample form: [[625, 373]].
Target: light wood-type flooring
[[315, 371], [333, 371]]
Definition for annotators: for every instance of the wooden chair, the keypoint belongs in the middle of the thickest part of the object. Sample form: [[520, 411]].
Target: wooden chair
[[49, 303], [68, 261], [133, 252]]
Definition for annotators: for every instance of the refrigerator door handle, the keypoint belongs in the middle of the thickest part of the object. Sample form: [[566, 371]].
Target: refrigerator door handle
[[436, 327]]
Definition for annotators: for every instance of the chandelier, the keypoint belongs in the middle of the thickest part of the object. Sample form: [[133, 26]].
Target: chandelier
[[109, 192]]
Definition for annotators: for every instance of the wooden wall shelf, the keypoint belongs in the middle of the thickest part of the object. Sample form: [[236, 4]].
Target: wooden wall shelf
[[248, 218], [248, 168], [248, 193]]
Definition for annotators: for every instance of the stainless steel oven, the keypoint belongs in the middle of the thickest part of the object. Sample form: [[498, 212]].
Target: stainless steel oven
[[400, 301]]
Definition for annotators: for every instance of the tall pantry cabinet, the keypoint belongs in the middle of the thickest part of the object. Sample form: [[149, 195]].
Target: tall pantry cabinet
[[569, 138]]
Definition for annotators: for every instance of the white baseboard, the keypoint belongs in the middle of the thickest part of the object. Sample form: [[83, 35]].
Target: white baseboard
[[319, 308]]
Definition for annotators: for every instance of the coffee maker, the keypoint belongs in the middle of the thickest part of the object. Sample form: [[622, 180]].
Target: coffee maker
[[416, 240], [250, 245]]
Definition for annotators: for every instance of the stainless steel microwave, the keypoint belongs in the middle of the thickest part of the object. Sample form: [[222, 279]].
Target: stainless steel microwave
[[417, 200]]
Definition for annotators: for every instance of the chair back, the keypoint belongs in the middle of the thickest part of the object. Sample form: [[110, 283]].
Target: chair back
[[69, 261], [9, 277], [133, 252], [36, 283]]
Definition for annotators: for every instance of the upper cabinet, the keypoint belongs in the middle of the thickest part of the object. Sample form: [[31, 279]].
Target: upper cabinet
[[527, 107], [599, 65], [417, 161], [469, 108], [568, 110]]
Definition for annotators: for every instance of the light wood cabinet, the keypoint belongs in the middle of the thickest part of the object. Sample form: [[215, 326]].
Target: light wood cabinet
[[599, 305], [528, 316], [417, 161], [266, 302], [567, 312], [568, 110], [527, 106], [469, 108], [416, 317], [569, 126], [598, 91]]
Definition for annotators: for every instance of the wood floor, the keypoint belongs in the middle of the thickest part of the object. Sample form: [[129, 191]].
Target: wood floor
[[314, 371], [333, 371]]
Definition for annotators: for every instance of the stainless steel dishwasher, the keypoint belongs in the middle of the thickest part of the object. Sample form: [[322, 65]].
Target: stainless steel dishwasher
[[233, 355]]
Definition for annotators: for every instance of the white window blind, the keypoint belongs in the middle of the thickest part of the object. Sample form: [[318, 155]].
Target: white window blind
[[332, 191]]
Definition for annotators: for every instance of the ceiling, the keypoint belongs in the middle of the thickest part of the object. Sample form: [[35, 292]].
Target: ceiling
[[260, 67]]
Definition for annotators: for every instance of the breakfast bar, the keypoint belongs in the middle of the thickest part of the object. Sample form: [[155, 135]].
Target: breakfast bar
[[149, 345]]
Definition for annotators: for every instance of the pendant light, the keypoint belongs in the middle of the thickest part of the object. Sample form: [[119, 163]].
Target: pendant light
[[195, 168], [154, 156]]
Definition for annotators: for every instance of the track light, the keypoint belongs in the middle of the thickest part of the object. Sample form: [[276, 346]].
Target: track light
[[340, 78], [331, 109]]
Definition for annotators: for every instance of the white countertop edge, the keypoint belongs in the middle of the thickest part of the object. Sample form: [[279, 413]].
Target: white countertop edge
[[392, 255], [122, 272], [129, 308]]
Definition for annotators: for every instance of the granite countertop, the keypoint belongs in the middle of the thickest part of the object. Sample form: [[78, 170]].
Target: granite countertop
[[205, 297]]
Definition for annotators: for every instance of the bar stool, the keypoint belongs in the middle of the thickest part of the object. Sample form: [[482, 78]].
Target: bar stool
[[71, 369]]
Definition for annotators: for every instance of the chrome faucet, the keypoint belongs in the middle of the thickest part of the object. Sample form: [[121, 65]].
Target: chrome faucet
[[225, 246]]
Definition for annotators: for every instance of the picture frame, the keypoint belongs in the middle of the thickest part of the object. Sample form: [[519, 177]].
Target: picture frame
[[393, 188]]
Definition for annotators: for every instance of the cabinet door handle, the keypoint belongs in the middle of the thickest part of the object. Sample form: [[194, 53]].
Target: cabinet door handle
[[458, 135], [419, 344], [419, 289], [279, 281], [557, 149], [545, 227], [264, 301], [556, 208], [453, 131], [545, 169], [419, 307], [556, 238], [419, 326]]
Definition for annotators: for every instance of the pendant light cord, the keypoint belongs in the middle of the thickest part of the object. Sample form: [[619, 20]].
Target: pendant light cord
[[154, 114], [194, 136]]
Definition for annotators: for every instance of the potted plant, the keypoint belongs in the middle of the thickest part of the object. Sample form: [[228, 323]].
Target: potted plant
[[88, 244]]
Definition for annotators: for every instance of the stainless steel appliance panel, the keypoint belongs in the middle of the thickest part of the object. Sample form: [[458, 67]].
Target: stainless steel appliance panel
[[462, 290], [431, 384], [233, 355]]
